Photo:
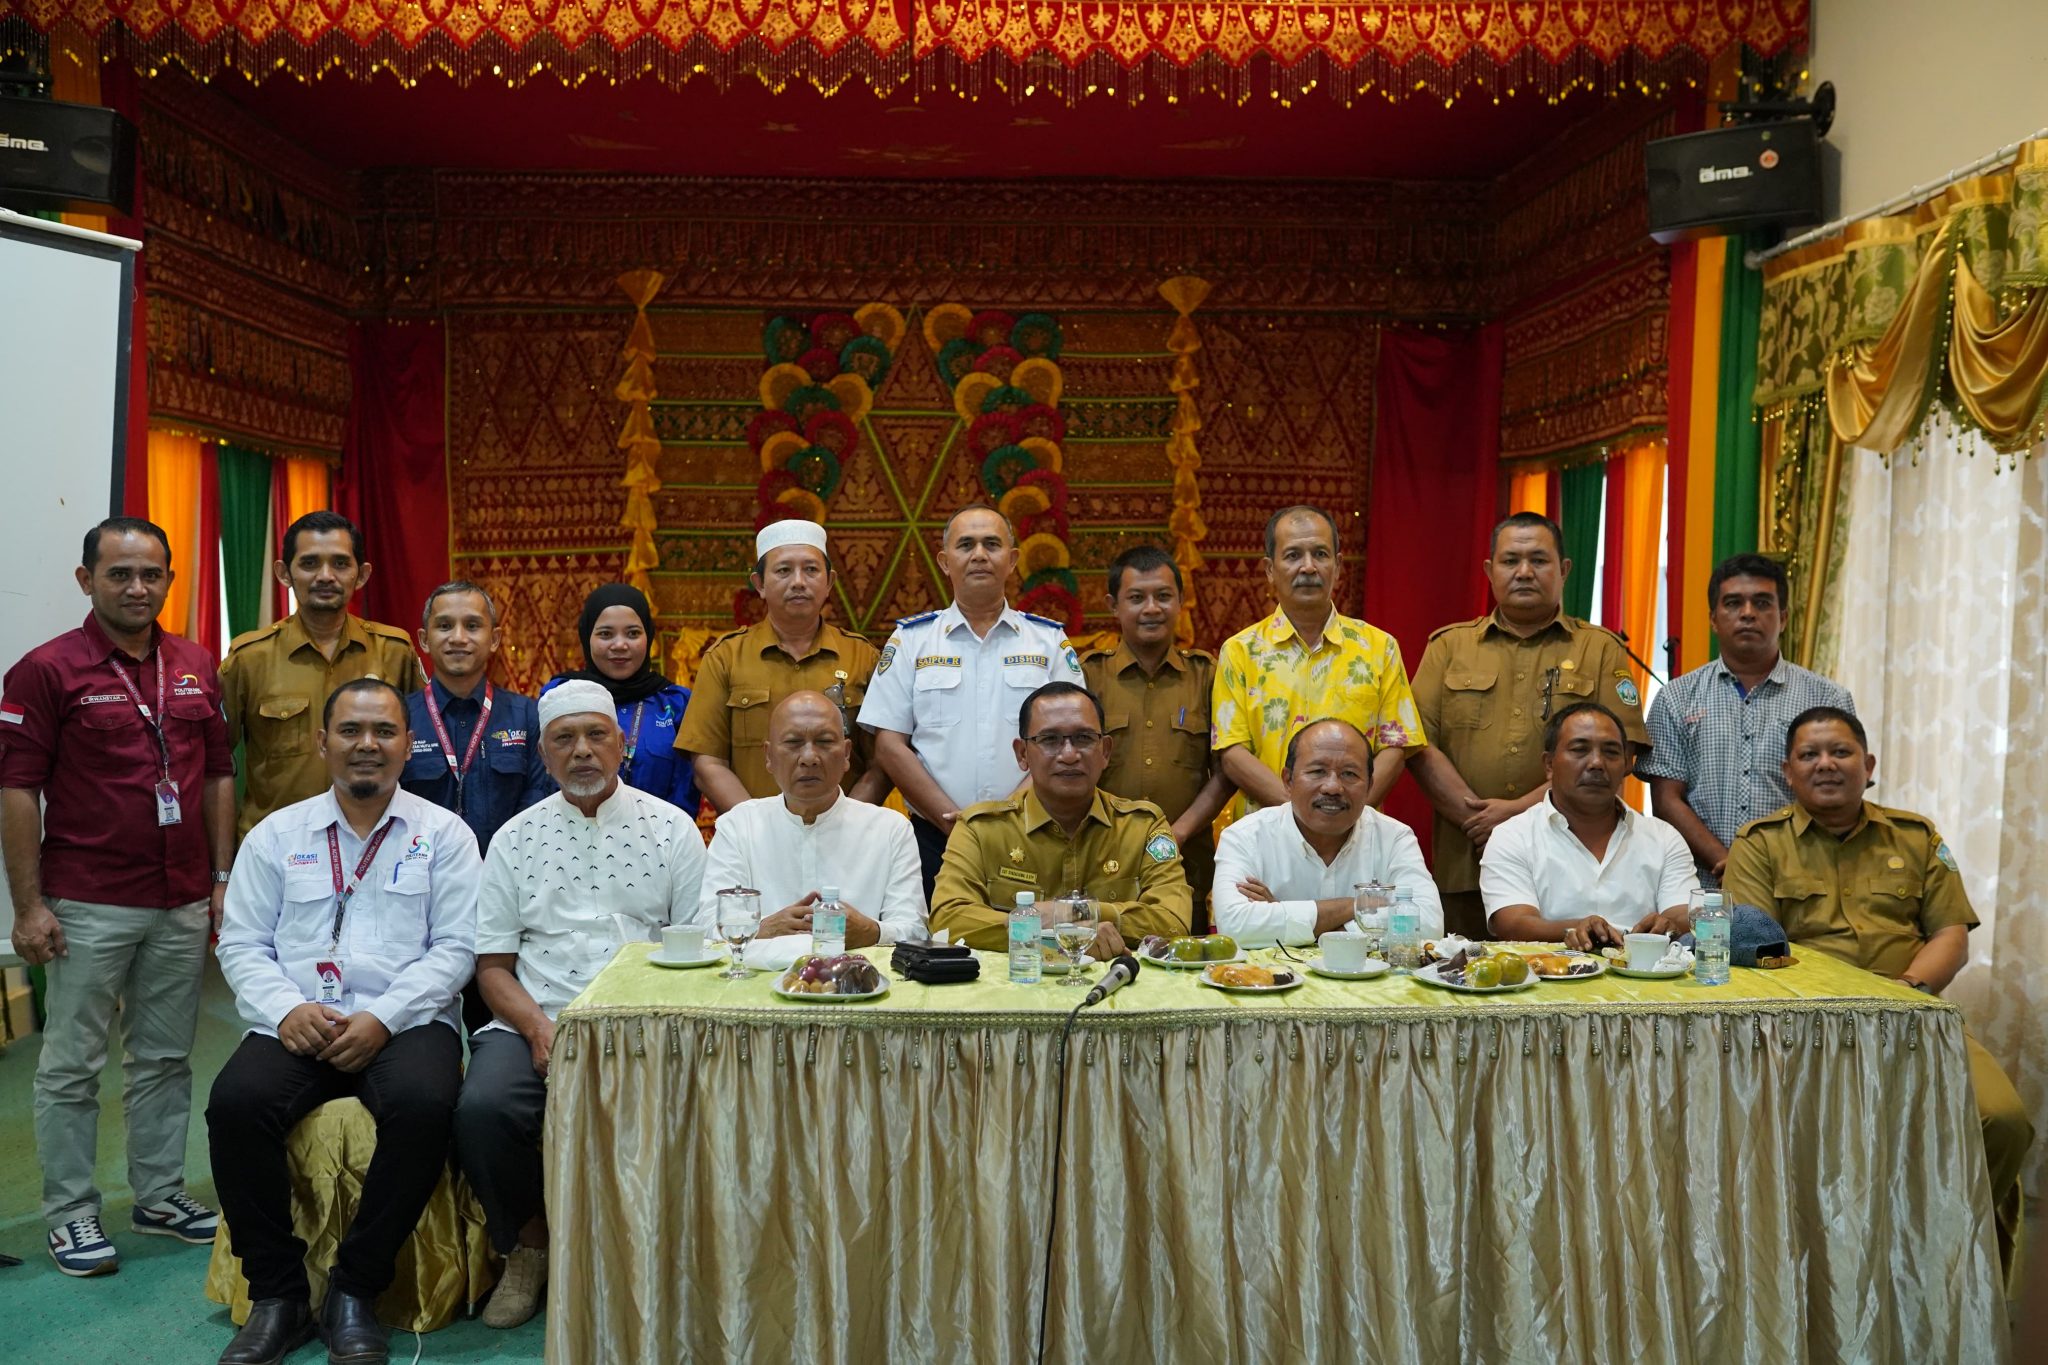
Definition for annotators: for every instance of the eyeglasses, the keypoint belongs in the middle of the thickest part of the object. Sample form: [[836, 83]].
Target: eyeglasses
[[1050, 745]]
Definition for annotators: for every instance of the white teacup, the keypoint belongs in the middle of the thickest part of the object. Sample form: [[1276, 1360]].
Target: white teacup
[[682, 942], [1645, 951], [1343, 952]]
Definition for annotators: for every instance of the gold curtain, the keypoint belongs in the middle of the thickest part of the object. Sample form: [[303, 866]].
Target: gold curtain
[[643, 448], [174, 470], [1185, 293]]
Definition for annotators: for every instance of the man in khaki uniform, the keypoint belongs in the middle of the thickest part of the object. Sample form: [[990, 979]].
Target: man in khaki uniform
[[1486, 689], [1878, 888], [275, 681], [1059, 834], [1155, 696], [747, 673]]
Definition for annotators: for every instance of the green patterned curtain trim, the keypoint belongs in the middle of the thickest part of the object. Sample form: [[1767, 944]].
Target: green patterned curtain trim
[[1583, 489]]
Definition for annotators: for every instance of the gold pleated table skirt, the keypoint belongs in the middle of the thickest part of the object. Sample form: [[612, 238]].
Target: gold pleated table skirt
[[1786, 1168], [446, 1266]]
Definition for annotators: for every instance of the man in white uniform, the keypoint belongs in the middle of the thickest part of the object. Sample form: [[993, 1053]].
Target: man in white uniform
[[560, 875], [1284, 873], [1580, 865], [347, 936], [944, 700]]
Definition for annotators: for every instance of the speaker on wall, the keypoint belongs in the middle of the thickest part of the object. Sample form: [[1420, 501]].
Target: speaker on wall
[[65, 156], [1729, 180]]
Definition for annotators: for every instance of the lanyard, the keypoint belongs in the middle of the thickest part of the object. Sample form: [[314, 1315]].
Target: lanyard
[[343, 894], [633, 740], [153, 719], [476, 738]]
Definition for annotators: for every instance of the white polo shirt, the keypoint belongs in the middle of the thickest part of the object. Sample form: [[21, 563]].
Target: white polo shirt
[[957, 697], [1269, 847], [868, 852], [555, 878], [1535, 859], [408, 935]]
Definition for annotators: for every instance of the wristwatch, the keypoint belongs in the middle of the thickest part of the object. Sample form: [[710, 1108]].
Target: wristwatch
[[220, 878], [1920, 986]]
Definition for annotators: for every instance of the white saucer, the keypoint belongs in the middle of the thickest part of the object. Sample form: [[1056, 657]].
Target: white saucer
[[711, 958], [1373, 967]]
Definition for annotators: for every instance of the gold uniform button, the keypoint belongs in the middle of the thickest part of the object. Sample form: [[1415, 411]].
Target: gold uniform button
[[1148, 725], [1514, 748], [1521, 677], [1518, 710], [1148, 762]]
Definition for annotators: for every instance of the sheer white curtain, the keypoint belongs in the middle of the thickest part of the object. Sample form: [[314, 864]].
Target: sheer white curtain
[[1944, 642]]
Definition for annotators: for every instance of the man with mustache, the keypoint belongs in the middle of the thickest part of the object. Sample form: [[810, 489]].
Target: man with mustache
[[275, 680], [1305, 661], [1062, 833], [1485, 690], [1157, 696], [349, 930], [947, 686], [812, 834], [560, 876], [1285, 873], [747, 674], [1719, 729], [1879, 888], [117, 814], [1580, 865]]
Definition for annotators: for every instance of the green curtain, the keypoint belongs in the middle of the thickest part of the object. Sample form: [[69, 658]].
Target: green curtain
[[1583, 487], [1737, 450], [244, 533]]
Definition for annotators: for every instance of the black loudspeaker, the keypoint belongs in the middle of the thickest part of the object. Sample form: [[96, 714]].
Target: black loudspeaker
[[1728, 180], [65, 156]]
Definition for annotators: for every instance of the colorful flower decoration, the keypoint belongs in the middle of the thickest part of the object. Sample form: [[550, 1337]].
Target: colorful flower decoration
[[1004, 466], [882, 323], [945, 322], [747, 607], [1041, 552], [1052, 600], [998, 361], [833, 431], [766, 424], [817, 469], [1036, 334], [819, 385], [810, 400], [821, 363], [834, 330], [1053, 523], [1024, 500], [956, 359], [989, 432], [1038, 420], [1046, 452], [784, 339], [1062, 576], [867, 357], [1052, 482], [804, 503], [1004, 398], [771, 486], [779, 449], [991, 327]]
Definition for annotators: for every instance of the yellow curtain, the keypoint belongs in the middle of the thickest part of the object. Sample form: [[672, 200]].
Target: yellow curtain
[[174, 463], [305, 488], [1642, 583], [1529, 491]]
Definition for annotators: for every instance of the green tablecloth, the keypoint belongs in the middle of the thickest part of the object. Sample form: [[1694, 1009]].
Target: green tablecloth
[[1787, 1167]]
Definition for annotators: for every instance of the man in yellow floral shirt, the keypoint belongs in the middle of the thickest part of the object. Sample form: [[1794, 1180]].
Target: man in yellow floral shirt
[[1306, 662]]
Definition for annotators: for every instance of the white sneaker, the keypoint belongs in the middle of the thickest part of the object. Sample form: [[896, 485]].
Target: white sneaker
[[81, 1248], [181, 1216], [520, 1288]]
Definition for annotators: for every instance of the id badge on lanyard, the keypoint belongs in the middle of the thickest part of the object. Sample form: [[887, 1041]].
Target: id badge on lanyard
[[331, 967], [459, 770], [168, 811]]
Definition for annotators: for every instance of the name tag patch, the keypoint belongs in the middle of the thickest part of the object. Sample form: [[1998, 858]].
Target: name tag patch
[[1026, 661], [509, 736], [302, 860], [938, 661], [1016, 874]]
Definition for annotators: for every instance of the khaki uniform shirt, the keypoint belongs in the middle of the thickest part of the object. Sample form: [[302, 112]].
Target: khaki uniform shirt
[[1124, 856], [1872, 899], [1158, 724], [1481, 690], [274, 683], [742, 678]]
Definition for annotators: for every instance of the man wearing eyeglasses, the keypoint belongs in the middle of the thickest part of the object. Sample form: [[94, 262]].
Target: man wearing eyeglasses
[[1486, 689], [1062, 833]]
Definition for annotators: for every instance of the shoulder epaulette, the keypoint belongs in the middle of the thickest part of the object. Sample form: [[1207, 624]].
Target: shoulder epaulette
[[1204, 655], [251, 637], [916, 620], [1134, 804], [1036, 619], [1579, 624], [1776, 817], [729, 635], [1003, 806], [1455, 625], [1910, 817], [388, 632]]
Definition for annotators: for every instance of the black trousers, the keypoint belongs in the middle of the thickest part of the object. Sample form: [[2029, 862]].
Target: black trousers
[[498, 1133], [931, 850], [261, 1094]]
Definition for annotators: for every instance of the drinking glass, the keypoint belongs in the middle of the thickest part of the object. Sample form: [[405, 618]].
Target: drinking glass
[[739, 919], [1075, 932], [1369, 902]]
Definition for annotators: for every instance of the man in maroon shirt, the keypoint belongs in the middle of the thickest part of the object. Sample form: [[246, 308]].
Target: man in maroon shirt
[[117, 728]]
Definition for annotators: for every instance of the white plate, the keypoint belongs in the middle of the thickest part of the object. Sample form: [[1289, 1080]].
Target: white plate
[[1600, 962], [1205, 979], [802, 997], [710, 958], [1666, 974], [1428, 977], [1180, 966], [1373, 967]]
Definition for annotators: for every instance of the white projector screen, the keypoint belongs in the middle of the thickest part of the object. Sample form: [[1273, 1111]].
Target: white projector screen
[[65, 305]]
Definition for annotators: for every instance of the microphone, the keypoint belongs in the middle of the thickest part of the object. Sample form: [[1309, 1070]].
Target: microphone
[[1622, 636], [1120, 974]]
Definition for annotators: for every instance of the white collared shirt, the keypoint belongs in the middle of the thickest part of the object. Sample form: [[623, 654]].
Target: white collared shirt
[[1268, 846], [1535, 859], [868, 852], [407, 939], [958, 697], [556, 879]]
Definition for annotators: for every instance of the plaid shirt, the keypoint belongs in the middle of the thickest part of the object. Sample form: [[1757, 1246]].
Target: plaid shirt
[[1727, 747]]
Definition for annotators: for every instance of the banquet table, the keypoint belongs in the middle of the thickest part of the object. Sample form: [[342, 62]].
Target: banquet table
[[1785, 1168]]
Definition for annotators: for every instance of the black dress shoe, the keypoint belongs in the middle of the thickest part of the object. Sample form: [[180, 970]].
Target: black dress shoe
[[276, 1328], [354, 1336]]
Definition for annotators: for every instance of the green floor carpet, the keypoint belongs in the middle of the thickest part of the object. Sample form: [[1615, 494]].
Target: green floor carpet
[[155, 1309]]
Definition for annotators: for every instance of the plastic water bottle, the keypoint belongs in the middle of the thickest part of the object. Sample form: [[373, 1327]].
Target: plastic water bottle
[[828, 923], [1027, 956], [1710, 928], [1404, 932]]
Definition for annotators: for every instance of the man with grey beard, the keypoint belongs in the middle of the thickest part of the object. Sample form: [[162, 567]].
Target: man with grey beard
[[559, 877]]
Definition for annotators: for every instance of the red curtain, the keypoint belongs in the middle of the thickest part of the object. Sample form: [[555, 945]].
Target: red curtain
[[120, 90], [394, 475], [1617, 520], [1435, 495], [206, 606]]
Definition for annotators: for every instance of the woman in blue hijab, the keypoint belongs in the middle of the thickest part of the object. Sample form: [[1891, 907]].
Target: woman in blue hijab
[[617, 628]]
